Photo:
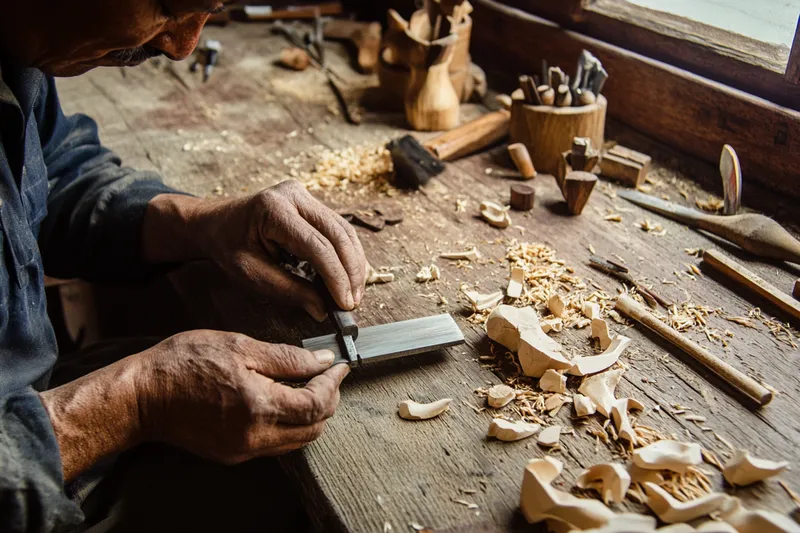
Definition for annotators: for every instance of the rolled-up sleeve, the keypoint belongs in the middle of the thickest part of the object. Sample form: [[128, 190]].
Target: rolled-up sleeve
[[32, 497], [96, 207]]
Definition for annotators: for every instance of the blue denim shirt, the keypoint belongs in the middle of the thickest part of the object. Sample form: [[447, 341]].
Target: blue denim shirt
[[69, 209]]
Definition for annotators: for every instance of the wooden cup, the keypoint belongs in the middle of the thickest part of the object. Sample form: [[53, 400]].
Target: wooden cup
[[548, 131]]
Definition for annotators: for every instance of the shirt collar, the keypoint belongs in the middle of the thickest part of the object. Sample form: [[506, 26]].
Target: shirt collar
[[20, 87]]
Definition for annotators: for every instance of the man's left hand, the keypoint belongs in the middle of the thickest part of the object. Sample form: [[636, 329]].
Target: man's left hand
[[244, 237]]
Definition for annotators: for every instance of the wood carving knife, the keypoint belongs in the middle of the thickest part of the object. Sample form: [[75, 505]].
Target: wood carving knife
[[346, 327], [758, 234], [390, 341]]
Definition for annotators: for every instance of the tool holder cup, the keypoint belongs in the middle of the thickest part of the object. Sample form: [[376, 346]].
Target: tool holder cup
[[548, 131]]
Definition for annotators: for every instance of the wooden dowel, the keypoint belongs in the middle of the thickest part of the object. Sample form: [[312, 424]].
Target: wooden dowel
[[753, 390], [522, 159], [470, 137], [736, 272]]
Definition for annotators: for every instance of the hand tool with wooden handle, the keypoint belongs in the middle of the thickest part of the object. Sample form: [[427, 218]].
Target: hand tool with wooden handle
[[733, 270], [757, 234], [470, 137], [756, 393], [390, 341]]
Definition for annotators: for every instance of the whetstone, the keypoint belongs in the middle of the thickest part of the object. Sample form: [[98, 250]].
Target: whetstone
[[736, 272], [398, 339]]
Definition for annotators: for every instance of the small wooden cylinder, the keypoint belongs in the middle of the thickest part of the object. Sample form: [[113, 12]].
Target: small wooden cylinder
[[548, 131], [522, 159], [522, 197]]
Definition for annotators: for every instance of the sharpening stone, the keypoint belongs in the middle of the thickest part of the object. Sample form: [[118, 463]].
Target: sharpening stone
[[398, 339]]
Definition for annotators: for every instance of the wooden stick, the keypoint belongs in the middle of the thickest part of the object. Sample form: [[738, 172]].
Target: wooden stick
[[522, 159], [733, 270], [753, 390], [796, 292], [470, 137]]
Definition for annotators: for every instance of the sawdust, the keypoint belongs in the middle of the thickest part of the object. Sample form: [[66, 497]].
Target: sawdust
[[711, 204], [359, 170]]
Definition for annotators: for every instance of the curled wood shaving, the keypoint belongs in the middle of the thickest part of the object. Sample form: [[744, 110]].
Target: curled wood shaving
[[711, 204], [360, 170]]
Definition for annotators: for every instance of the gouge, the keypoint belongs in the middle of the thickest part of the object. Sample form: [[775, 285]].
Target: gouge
[[757, 234]]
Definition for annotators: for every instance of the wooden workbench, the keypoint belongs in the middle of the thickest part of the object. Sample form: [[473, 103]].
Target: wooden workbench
[[372, 471]]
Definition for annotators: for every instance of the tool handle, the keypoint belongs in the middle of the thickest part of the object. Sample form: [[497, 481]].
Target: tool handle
[[753, 390], [757, 234], [736, 272], [471, 137], [343, 320]]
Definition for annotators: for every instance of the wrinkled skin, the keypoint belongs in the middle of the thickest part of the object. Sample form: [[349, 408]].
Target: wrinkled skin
[[74, 37]]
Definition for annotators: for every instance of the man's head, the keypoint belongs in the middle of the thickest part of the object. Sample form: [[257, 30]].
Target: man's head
[[69, 38]]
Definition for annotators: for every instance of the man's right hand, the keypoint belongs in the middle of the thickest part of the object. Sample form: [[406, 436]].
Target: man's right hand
[[212, 393], [218, 395]]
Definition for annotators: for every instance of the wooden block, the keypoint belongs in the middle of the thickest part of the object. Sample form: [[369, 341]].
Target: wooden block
[[625, 165], [522, 197], [578, 187]]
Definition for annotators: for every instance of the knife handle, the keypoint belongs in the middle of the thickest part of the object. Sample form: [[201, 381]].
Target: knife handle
[[343, 320]]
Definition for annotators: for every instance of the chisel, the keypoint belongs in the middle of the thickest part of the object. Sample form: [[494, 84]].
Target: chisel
[[757, 234]]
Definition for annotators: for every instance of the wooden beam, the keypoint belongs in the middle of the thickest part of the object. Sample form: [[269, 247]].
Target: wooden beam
[[793, 66], [685, 111], [741, 62]]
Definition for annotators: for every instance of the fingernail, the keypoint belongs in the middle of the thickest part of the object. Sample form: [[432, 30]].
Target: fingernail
[[350, 303], [324, 357], [359, 295]]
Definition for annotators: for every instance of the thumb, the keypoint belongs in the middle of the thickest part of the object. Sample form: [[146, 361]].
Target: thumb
[[282, 362]]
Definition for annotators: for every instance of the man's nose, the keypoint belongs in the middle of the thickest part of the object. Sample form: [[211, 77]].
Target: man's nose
[[179, 39]]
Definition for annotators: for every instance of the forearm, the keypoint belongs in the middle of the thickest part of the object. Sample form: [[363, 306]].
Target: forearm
[[96, 415]]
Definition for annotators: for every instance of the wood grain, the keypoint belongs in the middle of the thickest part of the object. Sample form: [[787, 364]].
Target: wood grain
[[370, 467], [755, 392], [548, 131], [738, 273], [471, 137], [680, 109]]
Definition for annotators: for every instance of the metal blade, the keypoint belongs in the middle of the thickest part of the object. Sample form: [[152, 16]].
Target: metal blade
[[398, 339], [687, 216]]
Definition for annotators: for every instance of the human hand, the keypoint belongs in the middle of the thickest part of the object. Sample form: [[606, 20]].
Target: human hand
[[244, 237], [217, 395]]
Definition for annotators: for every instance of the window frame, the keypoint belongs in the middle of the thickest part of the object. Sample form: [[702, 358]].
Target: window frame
[[761, 69]]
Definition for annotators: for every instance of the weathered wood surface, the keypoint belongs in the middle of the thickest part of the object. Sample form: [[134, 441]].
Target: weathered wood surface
[[372, 468]]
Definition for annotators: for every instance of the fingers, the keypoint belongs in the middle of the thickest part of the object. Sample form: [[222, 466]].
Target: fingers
[[273, 279], [283, 362], [314, 403], [343, 238], [309, 230]]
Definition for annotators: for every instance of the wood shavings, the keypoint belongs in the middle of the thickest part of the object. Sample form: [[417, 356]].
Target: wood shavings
[[465, 503], [379, 276], [461, 205], [694, 252], [652, 228], [613, 217], [710, 204], [359, 170], [428, 273], [782, 332]]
